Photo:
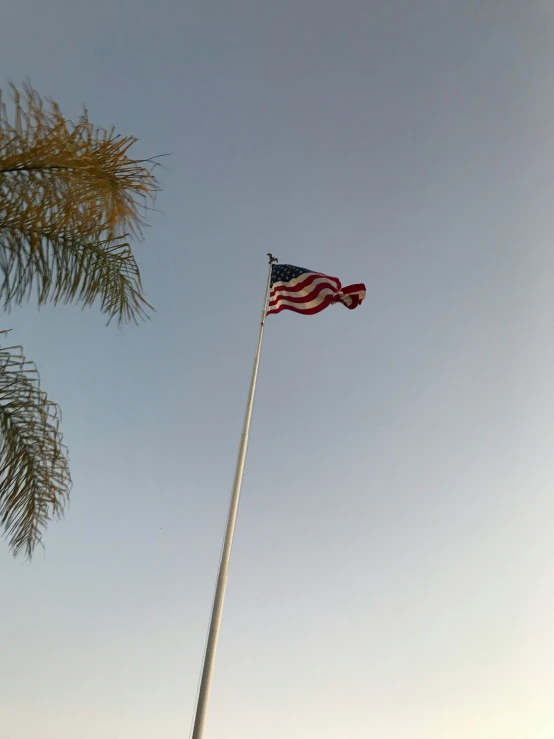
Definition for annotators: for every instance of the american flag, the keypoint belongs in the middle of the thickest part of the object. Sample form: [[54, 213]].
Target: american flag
[[305, 291]]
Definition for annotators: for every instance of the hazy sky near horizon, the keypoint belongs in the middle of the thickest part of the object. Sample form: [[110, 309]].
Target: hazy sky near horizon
[[393, 568]]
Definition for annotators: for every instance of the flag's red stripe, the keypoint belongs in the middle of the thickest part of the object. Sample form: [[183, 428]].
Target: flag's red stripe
[[287, 287], [353, 295], [354, 288], [279, 293], [305, 278], [306, 311], [303, 298], [350, 301], [284, 296]]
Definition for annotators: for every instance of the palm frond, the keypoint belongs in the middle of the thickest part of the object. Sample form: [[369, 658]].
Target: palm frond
[[65, 268], [34, 475], [69, 191]]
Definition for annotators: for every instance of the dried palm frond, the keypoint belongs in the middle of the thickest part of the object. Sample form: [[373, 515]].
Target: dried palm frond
[[34, 473], [70, 198]]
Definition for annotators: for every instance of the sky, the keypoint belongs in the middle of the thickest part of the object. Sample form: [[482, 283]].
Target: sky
[[392, 575]]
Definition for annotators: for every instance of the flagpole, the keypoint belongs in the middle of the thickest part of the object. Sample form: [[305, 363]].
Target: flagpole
[[217, 608]]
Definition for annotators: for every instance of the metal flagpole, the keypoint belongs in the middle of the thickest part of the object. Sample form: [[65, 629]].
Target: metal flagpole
[[217, 608]]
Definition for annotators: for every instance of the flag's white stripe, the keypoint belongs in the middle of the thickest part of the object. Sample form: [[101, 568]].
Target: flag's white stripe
[[304, 306], [297, 280], [349, 297], [299, 293]]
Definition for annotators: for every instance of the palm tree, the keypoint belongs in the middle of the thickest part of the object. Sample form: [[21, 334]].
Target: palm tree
[[70, 199]]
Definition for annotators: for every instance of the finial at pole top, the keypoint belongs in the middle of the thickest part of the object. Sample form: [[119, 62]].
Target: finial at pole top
[[272, 259]]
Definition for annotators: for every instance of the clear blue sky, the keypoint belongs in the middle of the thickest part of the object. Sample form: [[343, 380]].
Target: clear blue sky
[[393, 569]]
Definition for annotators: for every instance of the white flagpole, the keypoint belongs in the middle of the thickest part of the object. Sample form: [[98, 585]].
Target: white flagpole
[[217, 608]]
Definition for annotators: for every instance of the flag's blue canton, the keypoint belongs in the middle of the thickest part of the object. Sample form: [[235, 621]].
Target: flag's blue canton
[[286, 272]]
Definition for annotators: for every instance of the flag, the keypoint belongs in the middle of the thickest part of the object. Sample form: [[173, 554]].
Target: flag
[[304, 291]]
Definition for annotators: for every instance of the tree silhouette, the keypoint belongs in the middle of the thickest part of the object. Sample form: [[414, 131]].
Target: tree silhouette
[[71, 199]]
